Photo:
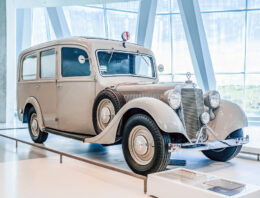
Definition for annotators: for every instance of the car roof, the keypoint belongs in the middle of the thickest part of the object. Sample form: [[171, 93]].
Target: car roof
[[76, 40]]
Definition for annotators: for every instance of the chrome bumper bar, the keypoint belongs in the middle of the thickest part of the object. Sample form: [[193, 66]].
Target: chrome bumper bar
[[209, 145]]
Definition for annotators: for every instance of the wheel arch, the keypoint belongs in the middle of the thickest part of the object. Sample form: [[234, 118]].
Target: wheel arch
[[163, 115], [176, 137], [127, 115], [32, 102], [229, 118]]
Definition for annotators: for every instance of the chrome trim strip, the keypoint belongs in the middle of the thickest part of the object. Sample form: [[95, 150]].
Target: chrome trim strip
[[209, 145]]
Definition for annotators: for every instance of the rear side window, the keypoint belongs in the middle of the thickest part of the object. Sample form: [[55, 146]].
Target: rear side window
[[29, 67], [48, 62], [75, 62]]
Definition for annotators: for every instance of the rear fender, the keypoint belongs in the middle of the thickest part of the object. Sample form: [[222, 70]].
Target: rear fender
[[31, 101]]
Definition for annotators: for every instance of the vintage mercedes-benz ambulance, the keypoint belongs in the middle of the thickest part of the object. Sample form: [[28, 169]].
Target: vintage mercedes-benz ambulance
[[105, 91]]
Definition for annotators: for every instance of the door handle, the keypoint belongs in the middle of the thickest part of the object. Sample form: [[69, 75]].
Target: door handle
[[37, 86], [59, 85]]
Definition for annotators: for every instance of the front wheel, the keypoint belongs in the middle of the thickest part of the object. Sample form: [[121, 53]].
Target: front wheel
[[145, 147], [225, 154]]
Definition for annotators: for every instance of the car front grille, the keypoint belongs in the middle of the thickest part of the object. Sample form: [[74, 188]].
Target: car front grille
[[192, 108]]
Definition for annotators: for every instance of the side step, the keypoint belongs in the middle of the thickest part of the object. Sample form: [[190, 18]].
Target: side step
[[75, 136]]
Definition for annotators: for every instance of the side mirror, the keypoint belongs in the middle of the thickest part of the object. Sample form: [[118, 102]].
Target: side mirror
[[160, 67]]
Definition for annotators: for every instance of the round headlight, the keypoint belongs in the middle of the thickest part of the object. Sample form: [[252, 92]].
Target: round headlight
[[205, 118], [174, 99], [214, 99]]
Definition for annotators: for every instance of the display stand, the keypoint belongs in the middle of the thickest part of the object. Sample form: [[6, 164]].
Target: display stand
[[186, 183]]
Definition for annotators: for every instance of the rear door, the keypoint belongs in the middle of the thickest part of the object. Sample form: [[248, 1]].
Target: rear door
[[75, 90], [47, 86]]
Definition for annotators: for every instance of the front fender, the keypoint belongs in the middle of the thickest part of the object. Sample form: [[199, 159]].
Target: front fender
[[164, 116], [229, 117]]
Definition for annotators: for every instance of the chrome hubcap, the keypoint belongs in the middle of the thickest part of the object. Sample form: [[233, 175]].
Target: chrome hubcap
[[141, 145], [105, 113], [34, 125]]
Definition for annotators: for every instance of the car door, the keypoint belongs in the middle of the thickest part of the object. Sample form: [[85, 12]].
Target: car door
[[47, 86], [75, 91]]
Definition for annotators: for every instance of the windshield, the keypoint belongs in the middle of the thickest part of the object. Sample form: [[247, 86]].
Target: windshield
[[124, 63]]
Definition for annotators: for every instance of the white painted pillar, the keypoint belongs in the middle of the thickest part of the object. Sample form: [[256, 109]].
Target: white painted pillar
[[3, 60]]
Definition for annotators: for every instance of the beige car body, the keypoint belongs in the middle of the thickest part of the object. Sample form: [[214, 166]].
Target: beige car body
[[65, 103]]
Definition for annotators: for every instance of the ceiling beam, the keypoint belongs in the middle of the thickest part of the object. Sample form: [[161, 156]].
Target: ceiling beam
[[59, 3]]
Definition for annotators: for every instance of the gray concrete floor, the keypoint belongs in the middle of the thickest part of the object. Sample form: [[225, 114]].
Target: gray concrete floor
[[244, 168]]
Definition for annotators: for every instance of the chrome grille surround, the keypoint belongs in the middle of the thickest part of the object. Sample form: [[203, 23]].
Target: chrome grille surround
[[192, 108]]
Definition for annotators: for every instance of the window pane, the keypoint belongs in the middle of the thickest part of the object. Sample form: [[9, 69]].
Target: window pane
[[226, 37], [218, 5], [48, 63], [121, 63], [181, 56], [161, 45], [253, 94], [85, 21], [231, 87], [253, 3], [165, 78], [126, 6], [118, 22], [253, 42], [167, 6], [29, 67], [163, 6], [70, 63]]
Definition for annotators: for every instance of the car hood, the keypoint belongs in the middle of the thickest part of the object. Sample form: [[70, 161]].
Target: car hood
[[155, 90]]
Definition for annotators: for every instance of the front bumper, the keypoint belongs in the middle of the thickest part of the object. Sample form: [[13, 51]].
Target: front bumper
[[209, 145]]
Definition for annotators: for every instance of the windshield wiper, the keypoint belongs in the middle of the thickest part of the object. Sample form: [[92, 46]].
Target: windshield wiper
[[110, 56]]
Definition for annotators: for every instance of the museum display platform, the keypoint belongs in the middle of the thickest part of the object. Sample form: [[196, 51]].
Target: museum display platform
[[187, 183], [111, 156]]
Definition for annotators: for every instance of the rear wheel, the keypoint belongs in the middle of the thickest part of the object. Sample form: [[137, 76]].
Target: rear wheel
[[145, 147], [36, 134], [228, 153]]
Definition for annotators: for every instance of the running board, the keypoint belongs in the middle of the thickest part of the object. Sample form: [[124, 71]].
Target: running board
[[75, 136]]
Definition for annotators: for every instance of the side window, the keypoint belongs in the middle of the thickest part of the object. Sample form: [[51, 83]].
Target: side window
[[29, 67], [48, 64], [75, 62]]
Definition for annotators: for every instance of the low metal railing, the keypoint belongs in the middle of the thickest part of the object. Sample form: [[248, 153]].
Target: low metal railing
[[62, 154]]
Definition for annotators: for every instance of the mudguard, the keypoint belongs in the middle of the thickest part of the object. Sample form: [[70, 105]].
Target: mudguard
[[229, 117], [164, 116], [35, 104]]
